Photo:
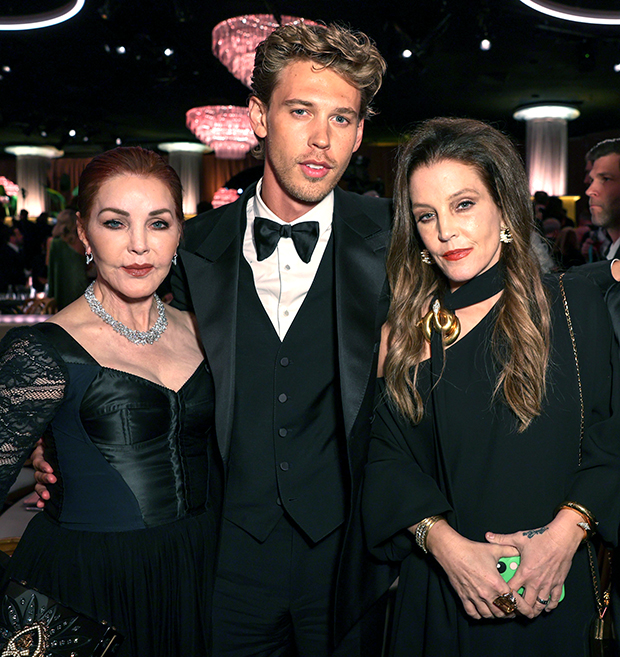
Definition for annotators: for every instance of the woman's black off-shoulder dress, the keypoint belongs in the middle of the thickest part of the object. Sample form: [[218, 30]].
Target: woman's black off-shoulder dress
[[485, 476], [129, 533]]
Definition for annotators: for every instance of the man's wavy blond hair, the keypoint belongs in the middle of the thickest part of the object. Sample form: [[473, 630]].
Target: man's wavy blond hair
[[349, 53]]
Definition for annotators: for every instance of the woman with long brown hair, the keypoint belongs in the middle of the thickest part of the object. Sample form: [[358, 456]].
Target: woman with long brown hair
[[498, 413]]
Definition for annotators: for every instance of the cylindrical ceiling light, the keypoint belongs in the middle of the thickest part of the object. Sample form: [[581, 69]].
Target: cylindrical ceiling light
[[546, 145], [32, 166], [186, 159]]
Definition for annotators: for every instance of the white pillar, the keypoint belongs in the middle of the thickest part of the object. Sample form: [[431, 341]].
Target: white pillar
[[186, 159], [546, 146], [33, 163]]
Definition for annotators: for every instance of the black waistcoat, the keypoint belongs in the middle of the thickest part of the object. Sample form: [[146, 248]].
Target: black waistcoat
[[287, 450]]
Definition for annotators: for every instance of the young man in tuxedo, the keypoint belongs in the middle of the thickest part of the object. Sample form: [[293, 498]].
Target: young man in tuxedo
[[288, 286]]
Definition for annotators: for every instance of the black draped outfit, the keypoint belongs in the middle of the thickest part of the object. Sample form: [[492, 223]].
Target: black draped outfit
[[128, 535], [483, 475]]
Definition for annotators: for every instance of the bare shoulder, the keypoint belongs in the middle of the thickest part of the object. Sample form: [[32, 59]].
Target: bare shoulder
[[183, 319], [75, 316], [184, 330]]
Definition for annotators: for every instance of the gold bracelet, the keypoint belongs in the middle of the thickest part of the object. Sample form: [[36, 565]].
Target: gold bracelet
[[588, 515], [588, 523], [422, 530]]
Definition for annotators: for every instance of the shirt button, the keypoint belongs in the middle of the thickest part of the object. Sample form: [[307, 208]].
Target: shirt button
[[287, 267], [285, 313], [284, 361], [282, 398], [284, 466], [279, 502], [282, 432]]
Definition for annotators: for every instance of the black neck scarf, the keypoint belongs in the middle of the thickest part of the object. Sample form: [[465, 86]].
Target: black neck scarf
[[478, 289]]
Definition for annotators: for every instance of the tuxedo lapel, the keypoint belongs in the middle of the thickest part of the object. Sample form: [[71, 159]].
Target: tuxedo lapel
[[360, 243], [212, 271]]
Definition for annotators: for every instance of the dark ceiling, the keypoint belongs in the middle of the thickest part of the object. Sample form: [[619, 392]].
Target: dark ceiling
[[70, 76]]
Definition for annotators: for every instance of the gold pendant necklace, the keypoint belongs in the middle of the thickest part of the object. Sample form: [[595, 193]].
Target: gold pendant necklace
[[442, 321]]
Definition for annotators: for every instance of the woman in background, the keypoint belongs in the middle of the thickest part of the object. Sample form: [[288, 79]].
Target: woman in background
[[66, 267]]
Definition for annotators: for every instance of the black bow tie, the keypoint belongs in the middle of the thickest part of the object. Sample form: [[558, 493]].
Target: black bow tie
[[267, 234]]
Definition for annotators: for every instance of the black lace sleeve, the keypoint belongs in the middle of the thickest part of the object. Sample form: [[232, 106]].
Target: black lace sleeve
[[32, 386]]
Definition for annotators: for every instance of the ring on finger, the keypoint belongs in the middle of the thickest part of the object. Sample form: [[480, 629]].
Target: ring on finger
[[543, 602], [506, 602]]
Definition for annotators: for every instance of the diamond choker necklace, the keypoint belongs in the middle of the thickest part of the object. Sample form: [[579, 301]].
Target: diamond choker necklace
[[137, 337]]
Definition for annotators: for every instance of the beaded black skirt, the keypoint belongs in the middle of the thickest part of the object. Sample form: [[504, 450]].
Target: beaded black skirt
[[129, 534]]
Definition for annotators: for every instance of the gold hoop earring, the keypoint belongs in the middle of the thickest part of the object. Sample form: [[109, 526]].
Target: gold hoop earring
[[426, 257], [505, 236]]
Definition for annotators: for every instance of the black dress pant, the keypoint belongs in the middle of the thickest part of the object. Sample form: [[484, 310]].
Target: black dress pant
[[275, 598]]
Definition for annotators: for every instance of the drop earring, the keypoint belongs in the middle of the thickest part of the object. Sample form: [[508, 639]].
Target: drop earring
[[505, 236], [174, 259], [426, 257], [89, 257]]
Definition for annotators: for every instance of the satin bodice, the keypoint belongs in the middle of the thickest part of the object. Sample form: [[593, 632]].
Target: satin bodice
[[128, 452]]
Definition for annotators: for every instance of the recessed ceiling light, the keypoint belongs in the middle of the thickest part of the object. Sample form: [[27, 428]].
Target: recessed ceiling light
[[406, 53], [577, 15], [121, 50], [485, 44], [72, 133], [168, 52]]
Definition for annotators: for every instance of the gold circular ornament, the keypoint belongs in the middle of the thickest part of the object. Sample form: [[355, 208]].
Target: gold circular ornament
[[442, 321]]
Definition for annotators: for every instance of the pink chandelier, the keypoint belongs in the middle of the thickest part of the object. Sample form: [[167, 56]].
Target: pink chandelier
[[225, 128], [10, 188], [234, 41], [224, 196]]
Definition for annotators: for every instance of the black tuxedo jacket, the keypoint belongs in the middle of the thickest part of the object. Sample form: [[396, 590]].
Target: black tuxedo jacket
[[206, 282], [600, 274]]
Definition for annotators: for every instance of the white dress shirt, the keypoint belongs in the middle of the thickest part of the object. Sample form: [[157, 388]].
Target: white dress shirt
[[613, 250], [283, 279]]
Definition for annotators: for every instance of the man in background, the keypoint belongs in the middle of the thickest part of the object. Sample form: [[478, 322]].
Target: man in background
[[604, 190]]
